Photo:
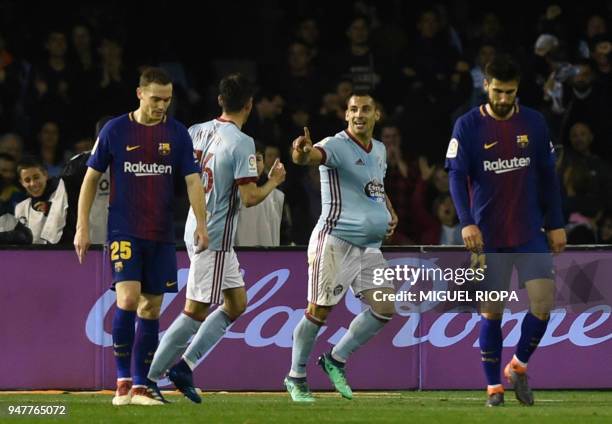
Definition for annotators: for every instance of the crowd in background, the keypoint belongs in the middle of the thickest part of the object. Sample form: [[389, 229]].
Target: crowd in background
[[62, 70]]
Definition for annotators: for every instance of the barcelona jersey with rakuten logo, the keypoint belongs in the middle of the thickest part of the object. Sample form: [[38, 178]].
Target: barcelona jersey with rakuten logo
[[143, 160], [505, 161]]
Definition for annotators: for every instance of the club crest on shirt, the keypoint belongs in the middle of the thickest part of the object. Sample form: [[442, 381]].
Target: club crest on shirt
[[164, 149], [118, 266], [375, 190], [522, 140]]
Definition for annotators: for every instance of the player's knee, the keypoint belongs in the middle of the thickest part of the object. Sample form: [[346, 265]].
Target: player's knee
[[384, 310], [196, 310], [492, 315], [541, 307], [127, 301], [319, 312], [234, 310], [147, 310]]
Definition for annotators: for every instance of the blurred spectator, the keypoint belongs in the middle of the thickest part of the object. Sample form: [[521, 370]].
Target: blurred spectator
[[601, 52], [44, 211], [115, 83], [487, 30], [330, 118], [85, 65], [263, 224], [82, 49], [595, 25], [400, 181], [73, 175], [51, 90], [586, 178], [11, 81], [270, 154], [307, 33], [432, 182], [575, 97], [49, 151], [486, 53], [358, 63], [10, 192], [12, 144], [554, 21], [448, 230], [299, 117], [298, 82], [263, 124], [435, 83], [605, 228]]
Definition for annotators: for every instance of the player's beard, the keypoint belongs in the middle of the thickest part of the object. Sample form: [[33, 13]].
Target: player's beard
[[501, 110]]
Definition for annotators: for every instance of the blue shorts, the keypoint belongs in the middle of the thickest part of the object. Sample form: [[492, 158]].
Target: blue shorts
[[150, 262], [533, 261]]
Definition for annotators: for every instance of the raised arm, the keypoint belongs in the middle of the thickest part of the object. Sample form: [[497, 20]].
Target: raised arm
[[252, 195], [303, 153]]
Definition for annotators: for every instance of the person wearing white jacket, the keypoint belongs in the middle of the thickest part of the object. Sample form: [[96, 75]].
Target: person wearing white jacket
[[44, 211]]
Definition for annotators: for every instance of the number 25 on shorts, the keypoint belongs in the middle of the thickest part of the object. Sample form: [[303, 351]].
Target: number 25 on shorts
[[121, 250]]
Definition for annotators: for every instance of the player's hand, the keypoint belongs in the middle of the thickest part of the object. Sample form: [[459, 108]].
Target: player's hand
[[392, 224], [557, 240], [277, 173], [81, 243], [303, 144], [200, 238], [472, 237]]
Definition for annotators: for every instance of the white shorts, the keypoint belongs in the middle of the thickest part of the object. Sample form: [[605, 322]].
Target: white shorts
[[210, 273], [334, 265]]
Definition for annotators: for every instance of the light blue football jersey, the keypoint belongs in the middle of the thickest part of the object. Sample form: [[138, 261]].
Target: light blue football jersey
[[227, 159], [352, 190]]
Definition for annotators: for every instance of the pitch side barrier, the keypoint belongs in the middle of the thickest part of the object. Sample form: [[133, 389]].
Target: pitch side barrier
[[56, 321]]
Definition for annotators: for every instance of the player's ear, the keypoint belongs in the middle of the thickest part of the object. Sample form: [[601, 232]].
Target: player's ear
[[249, 105], [377, 115], [485, 84], [139, 93], [219, 101]]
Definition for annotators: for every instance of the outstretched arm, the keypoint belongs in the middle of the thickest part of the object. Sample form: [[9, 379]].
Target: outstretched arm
[[252, 195], [303, 152]]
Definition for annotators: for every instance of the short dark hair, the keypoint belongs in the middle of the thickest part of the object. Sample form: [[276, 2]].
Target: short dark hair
[[29, 162], [235, 91], [362, 93], [7, 157], [502, 68], [154, 75]]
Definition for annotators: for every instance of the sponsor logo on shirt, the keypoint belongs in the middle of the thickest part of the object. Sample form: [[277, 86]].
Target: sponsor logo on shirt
[[501, 166], [141, 169], [375, 190], [489, 145]]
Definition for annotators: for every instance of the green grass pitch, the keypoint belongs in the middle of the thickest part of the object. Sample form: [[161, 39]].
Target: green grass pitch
[[446, 407]]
